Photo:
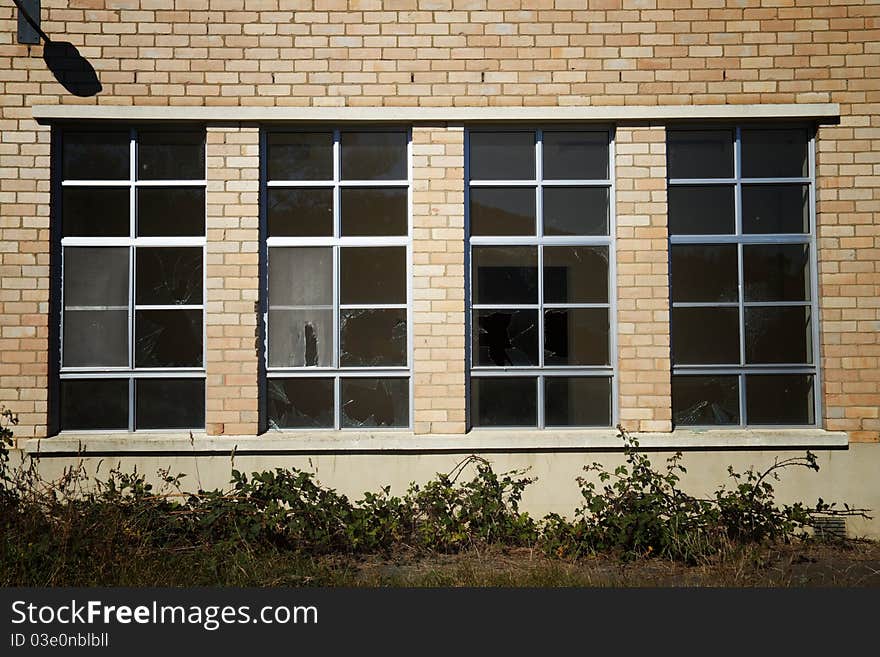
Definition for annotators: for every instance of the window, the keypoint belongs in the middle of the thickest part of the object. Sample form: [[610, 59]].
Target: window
[[743, 276], [540, 219], [338, 250], [132, 210]]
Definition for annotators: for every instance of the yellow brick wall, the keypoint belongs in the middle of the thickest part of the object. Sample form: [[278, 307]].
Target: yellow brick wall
[[465, 53]]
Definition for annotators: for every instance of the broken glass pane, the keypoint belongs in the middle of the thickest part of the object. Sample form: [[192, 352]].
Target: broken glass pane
[[779, 335], [170, 211], [301, 276], [168, 338], [577, 401], [300, 403], [775, 209], [171, 155], [169, 275], [505, 274], [774, 153], [502, 210], [705, 400], [300, 155], [95, 212], [504, 401], [576, 336], [169, 403], [372, 403], [300, 212], [95, 338], [776, 272], [300, 338], [575, 274], [502, 155], [373, 155], [373, 337], [505, 337], [704, 272], [373, 275], [700, 153], [374, 211], [705, 336], [575, 155], [92, 404], [95, 276], [575, 210], [701, 210], [96, 155], [780, 399]]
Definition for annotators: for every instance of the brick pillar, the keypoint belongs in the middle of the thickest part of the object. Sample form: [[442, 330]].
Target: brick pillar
[[232, 280], [643, 279], [438, 279]]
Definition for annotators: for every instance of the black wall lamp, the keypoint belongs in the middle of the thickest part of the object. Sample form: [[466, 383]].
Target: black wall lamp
[[29, 31]]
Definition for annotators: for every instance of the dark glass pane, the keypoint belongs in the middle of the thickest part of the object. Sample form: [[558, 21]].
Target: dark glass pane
[[705, 400], [576, 336], [90, 404], [505, 274], [575, 210], [374, 211], [96, 155], [372, 403], [780, 399], [95, 276], [504, 402], [776, 272], [170, 211], [372, 337], [575, 155], [373, 275], [704, 272], [775, 209], [171, 155], [779, 335], [502, 156], [96, 338], [774, 153], [169, 403], [505, 337], [169, 275], [168, 338], [300, 212], [300, 276], [575, 274], [697, 210], [705, 336], [700, 153], [502, 211], [299, 155], [373, 155], [300, 403], [577, 401], [300, 338], [95, 212]]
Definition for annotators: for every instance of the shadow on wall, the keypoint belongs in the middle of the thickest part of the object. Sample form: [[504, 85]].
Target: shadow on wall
[[72, 70]]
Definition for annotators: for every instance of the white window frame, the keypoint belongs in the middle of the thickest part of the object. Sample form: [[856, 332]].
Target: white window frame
[[336, 242], [539, 240]]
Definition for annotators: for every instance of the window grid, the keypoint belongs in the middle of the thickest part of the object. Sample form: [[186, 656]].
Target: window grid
[[741, 239], [130, 371], [336, 242], [541, 372]]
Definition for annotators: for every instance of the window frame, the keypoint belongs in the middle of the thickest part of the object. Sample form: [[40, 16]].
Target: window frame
[[740, 239], [336, 243], [132, 242], [538, 240]]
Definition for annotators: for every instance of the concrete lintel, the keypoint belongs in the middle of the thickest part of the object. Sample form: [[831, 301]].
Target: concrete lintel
[[475, 441], [607, 114]]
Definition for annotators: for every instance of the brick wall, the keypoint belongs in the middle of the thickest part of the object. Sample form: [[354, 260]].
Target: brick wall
[[464, 53]]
